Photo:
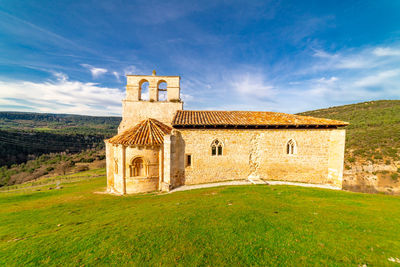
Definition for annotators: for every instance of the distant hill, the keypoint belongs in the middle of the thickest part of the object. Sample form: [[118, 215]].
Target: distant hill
[[24, 136], [58, 123]]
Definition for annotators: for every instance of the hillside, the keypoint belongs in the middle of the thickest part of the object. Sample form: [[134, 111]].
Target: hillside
[[33, 145], [374, 130], [24, 136], [372, 157], [58, 123], [241, 225]]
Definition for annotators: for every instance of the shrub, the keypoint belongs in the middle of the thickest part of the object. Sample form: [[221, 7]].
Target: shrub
[[49, 169], [394, 176], [82, 168], [351, 159], [387, 162], [88, 160]]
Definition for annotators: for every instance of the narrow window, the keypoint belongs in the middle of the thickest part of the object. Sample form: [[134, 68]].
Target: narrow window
[[216, 148], [116, 166], [188, 160], [291, 147]]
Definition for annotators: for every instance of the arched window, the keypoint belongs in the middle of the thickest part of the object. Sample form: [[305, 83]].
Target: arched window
[[162, 90], [216, 148], [144, 90], [291, 147], [138, 167]]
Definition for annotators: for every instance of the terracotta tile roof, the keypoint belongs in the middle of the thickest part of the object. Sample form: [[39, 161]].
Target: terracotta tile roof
[[187, 118], [148, 132]]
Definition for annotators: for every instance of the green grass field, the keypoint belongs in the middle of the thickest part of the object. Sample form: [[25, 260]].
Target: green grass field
[[239, 225]]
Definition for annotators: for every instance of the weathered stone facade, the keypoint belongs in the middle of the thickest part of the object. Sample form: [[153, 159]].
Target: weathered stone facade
[[261, 154], [188, 155]]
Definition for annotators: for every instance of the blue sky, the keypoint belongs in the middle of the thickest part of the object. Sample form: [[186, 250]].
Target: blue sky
[[287, 56]]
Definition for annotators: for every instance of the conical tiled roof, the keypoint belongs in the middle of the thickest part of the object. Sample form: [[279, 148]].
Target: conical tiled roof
[[147, 133]]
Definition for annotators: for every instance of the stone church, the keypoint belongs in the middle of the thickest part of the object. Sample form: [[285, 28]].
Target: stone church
[[161, 146]]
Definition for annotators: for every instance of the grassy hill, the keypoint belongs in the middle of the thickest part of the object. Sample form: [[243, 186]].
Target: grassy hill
[[242, 225], [374, 130]]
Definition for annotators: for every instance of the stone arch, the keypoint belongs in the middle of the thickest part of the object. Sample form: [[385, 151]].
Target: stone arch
[[139, 167], [144, 87], [291, 147], [217, 148], [162, 90]]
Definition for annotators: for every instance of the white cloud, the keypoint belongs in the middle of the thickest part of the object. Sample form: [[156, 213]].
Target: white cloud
[[323, 54], [379, 78], [252, 85], [116, 75], [386, 51], [96, 72], [326, 79], [187, 98], [61, 95], [130, 70]]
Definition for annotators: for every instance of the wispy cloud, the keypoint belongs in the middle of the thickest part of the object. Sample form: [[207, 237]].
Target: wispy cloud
[[61, 95], [325, 79], [378, 78], [386, 51], [357, 75], [252, 85], [116, 75], [130, 70], [96, 72]]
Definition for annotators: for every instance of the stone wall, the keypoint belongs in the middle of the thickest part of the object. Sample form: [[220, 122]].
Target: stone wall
[[142, 184], [120, 157], [261, 154], [114, 169], [110, 166], [133, 112]]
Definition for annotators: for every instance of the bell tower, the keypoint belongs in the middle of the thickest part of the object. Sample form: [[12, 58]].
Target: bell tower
[[162, 102]]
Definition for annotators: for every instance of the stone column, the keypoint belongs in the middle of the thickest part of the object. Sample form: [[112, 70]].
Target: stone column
[[165, 186], [153, 90], [160, 167], [132, 92], [123, 169]]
